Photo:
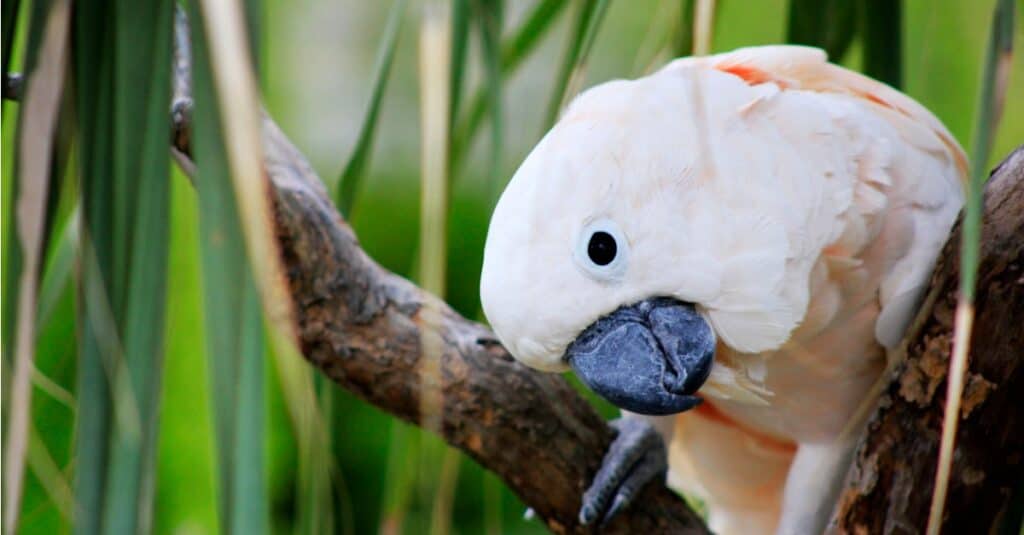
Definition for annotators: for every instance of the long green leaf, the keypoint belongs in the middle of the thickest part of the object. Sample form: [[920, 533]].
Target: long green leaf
[[581, 38], [122, 70], [994, 82], [514, 50], [141, 86], [37, 124], [231, 312], [10, 18], [682, 42], [882, 38], [355, 169], [93, 38], [457, 58], [490, 16], [827, 24]]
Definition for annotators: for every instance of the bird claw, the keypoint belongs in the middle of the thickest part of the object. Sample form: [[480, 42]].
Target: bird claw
[[636, 456]]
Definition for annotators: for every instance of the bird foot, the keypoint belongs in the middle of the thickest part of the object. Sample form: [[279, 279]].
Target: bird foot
[[636, 456]]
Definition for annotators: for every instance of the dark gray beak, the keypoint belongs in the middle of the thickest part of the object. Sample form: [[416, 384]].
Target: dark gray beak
[[648, 358]]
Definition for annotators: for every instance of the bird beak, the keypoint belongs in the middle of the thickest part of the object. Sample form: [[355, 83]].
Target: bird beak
[[647, 358]]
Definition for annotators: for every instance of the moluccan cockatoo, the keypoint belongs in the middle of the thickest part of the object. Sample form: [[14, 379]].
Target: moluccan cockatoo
[[752, 230]]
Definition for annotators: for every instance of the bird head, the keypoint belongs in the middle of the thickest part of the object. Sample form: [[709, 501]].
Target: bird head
[[630, 243]]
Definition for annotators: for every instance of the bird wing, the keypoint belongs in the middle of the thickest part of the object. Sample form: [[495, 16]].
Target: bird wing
[[906, 189]]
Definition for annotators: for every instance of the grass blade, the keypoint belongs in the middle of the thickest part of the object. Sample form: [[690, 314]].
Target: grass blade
[[59, 268], [682, 43], [435, 39], [514, 51], [826, 24], [355, 169], [457, 58], [703, 27], [234, 333], [49, 475], [122, 68], [489, 13], [581, 38], [38, 118], [435, 112], [9, 21], [995, 80], [669, 35], [237, 99], [882, 31], [141, 86], [93, 38]]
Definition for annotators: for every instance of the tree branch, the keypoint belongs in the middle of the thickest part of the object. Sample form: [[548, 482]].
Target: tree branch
[[889, 486]]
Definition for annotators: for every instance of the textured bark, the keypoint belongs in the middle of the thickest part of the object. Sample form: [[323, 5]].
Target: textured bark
[[889, 486]]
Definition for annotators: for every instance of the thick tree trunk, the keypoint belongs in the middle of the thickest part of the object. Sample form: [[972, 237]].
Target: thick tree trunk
[[889, 486]]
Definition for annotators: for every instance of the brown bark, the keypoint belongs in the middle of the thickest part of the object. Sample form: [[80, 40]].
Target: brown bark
[[889, 486]]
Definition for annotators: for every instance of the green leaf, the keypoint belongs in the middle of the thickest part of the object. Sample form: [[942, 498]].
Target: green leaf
[[581, 38], [489, 13], [882, 30], [514, 51], [995, 79], [682, 41], [92, 64], [355, 169], [457, 59], [994, 82], [826, 24], [122, 72], [38, 118], [10, 18], [234, 334]]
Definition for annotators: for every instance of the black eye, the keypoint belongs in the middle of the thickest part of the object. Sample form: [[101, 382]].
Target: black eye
[[602, 248]]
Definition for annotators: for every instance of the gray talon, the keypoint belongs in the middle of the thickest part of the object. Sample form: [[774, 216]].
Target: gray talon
[[636, 456]]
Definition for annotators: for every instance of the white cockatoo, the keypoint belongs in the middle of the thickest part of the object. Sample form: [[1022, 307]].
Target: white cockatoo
[[752, 230]]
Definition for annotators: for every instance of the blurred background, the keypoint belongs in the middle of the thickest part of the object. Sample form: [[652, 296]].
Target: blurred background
[[317, 71]]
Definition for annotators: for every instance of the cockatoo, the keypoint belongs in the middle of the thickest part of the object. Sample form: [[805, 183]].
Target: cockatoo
[[752, 230]]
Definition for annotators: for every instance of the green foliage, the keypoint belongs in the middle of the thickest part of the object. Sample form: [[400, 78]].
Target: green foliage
[[994, 81], [882, 30], [348, 183], [581, 37], [122, 72], [231, 308], [826, 24]]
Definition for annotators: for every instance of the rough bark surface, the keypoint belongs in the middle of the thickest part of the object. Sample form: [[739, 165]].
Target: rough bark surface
[[889, 486]]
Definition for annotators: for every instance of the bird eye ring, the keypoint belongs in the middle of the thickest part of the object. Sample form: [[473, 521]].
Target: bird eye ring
[[602, 250]]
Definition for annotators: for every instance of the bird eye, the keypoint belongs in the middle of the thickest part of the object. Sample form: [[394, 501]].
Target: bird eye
[[601, 249]]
